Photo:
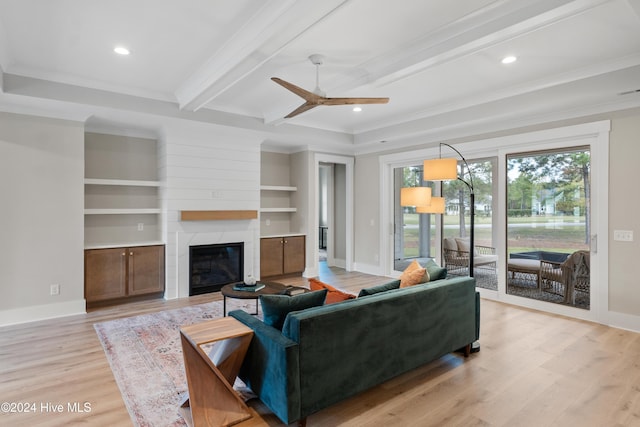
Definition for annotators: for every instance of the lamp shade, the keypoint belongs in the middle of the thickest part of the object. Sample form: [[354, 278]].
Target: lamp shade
[[440, 169], [415, 196], [436, 206]]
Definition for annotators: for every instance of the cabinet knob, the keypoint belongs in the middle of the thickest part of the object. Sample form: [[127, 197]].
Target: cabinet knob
[[123, 254], [130, 253], [286, 241]]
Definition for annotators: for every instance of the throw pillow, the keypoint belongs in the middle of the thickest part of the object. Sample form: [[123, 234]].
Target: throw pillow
[[333, 295], [276, 307], [411, 275], [464, 246], [450, 244], [395, 284], [435, 271]]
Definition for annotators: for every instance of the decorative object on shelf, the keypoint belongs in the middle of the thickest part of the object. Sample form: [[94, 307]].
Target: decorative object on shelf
[[445, 170]]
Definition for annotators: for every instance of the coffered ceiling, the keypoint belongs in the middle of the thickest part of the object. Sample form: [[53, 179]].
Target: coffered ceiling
[[438, 61]]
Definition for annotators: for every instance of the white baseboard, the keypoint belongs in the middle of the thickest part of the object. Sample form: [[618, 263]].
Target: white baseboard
[[372, 269], [337, 262], [42, 312], [629, 322]]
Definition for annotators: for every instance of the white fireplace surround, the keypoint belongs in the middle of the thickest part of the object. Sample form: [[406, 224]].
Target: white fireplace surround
[[186, 239]]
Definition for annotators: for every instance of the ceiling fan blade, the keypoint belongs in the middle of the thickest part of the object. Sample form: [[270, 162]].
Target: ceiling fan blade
[[351, 101], [302, 93], [301, 109]]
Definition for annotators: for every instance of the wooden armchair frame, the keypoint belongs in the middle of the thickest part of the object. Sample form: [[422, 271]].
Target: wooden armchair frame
[[568, 277], [457, 261]]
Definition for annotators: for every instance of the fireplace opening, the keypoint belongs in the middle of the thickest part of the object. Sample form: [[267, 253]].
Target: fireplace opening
[[213, 266]]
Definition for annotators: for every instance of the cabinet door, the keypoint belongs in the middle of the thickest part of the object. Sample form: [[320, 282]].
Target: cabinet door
[[146, 270], [105, 274], [271, 257], [294, 259]]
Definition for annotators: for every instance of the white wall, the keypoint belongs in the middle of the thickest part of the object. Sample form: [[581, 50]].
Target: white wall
[[207, 167], [42, 193]]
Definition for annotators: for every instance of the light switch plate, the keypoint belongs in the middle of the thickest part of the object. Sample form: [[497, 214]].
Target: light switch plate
[[623, 235]]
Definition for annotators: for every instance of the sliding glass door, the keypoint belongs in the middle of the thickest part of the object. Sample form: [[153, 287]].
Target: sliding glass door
[[548, 226], [540, 202], [457, 217]]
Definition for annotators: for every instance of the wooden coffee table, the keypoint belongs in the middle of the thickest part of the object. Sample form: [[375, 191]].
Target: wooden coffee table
[[270, 288]]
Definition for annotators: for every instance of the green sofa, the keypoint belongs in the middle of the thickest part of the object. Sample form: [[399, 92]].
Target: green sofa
[[329, 353]]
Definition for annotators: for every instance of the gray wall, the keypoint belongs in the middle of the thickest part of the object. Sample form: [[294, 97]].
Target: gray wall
[[624, 214], [42, 193], [340, 211]]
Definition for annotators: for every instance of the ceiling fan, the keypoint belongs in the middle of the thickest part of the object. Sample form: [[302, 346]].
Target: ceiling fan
[[318, 97]]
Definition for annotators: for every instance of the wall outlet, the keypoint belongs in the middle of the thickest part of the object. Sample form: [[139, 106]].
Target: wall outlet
[[140, 226], [623, 235], [55, 289]]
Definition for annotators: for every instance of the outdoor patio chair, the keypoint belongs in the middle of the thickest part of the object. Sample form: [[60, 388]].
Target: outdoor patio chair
[[567, 278], [456, 256]]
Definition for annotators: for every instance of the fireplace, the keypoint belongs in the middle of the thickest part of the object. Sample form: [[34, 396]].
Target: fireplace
[[213, 266]]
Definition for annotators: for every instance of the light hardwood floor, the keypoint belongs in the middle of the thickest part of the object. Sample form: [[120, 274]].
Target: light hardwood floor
[[533, 369]]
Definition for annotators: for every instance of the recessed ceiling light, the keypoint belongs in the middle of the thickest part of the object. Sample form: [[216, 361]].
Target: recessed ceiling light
[[357, 109], [121, 50], [509, 59]]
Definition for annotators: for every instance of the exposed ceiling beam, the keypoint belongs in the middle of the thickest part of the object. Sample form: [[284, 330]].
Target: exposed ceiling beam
[[496, 23], [267, 32]]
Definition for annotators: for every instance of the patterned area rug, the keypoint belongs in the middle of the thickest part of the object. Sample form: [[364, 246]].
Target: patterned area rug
[[145, 355]]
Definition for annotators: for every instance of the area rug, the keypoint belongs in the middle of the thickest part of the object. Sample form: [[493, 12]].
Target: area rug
[[145, 355]]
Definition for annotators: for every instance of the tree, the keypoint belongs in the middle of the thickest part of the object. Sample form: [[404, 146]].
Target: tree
[[563, 171]]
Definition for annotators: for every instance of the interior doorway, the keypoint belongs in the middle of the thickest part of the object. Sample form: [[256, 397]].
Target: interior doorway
[[332, 217]]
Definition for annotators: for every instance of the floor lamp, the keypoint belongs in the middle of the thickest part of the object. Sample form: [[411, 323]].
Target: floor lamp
[[446, 170]]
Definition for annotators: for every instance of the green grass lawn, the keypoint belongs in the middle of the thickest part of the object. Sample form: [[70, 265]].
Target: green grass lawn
[[554, 233]]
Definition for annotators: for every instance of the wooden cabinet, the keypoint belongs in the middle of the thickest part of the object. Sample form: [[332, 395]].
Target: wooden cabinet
[[123, 272], [282, 255]]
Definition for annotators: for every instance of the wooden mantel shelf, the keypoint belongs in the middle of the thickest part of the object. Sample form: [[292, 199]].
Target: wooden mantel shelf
[[217, 215]]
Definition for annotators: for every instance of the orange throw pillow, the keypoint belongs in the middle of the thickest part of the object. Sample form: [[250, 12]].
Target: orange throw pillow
[[414, 274], [333, 294]]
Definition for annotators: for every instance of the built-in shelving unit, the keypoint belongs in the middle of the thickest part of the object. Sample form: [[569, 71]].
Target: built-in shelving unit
[[122, 200], [278, 188], [123, 182], [121, 211], [274, 210], [276, 198], [279, 196]]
